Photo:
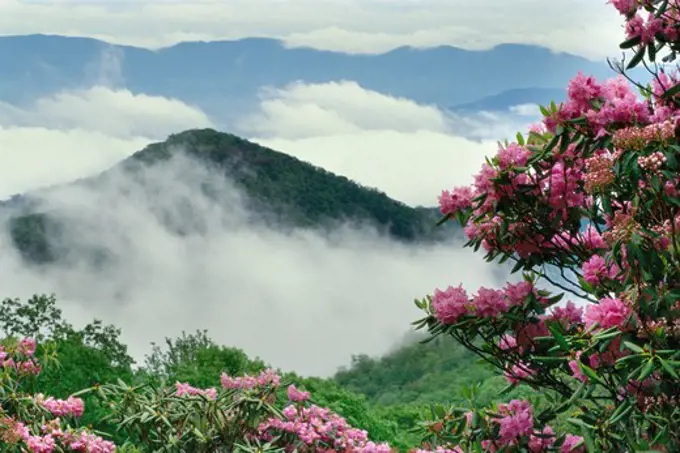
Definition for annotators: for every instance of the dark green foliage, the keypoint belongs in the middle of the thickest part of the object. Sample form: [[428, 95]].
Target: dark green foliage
[[31, 235], [197, 359], [416, 373]]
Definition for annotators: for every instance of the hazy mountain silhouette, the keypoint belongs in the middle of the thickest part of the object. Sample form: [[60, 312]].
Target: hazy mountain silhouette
[[224, 76]]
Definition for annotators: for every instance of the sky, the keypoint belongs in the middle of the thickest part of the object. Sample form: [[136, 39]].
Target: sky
[[585, 27], [291, 299]]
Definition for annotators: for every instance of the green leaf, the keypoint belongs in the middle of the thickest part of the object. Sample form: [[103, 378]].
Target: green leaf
[[672, 91], [651, 52], [647, 370], [559, 337], [590, 373], [632, 42], [620, 412], [587, 439], [579, 422], [669, 369], [661, 10], [633, 347], [637, 58], [443, 220]]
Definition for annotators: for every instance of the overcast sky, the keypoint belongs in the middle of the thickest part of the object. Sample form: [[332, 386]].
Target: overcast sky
[[587, 27]]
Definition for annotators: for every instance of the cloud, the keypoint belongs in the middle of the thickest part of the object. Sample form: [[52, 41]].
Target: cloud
[[583, 27], [302, 110], [77, 133], [118, 113], [305, 301], [35, 157], [409, 151]]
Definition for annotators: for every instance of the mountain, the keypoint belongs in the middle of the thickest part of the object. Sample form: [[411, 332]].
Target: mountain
[[280, 190], [507, 99], [419, 374], [213, 75]]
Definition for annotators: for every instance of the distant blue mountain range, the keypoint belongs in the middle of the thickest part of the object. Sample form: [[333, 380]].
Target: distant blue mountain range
[[225, 76], [518, 96]]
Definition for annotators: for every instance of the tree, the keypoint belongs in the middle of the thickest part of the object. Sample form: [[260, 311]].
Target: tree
[[197, 359]]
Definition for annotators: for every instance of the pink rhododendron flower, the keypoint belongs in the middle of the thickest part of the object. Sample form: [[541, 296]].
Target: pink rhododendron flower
[[517, 420], [451, 304], [569, 315], [540, 444], [607, 313], [570, 444], [297, 395], [517, 373], [596, 269], [489, 302], [27, 346], [457, 200]]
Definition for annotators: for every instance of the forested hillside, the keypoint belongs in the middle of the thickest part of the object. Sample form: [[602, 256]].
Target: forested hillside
[[280, 190]]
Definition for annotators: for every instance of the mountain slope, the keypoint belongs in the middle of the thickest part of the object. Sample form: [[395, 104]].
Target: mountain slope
[[503, 101], [279, 189], [422, 374], [214, 74]]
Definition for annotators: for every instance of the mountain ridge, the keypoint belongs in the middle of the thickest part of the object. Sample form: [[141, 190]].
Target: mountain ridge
[[212, 74], [284, 191]]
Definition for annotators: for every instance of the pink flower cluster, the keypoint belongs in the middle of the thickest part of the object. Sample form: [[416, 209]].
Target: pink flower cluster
[[596, 270], [608, 313], [54, 435], [635, 138], [61, 408], [649, 28], [518, 373], [618, 105], [186, 389], [599, 173], [516, 426], [319, 430], [265, 378], [297, 395], [453, 303], [23, 363], [517, 421], [653, 162]]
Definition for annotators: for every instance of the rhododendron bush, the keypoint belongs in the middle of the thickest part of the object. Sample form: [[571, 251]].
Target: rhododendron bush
[[585, 205], [240, 415], [38, 423]]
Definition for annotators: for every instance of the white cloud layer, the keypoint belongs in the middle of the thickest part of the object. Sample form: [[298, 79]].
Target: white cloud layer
[[409, 151], [77, 133], [299, 301], [584, 27]]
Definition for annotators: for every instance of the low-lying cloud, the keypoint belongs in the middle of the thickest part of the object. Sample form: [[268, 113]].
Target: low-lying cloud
[[409, 151], [306, 300]]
